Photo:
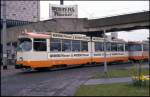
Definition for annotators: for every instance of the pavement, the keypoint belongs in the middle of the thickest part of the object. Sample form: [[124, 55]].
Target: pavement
[[9, 71], [112, 80], [108, 80]]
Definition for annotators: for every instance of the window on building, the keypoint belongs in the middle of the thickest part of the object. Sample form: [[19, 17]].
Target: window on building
[[113, 47], [34, 17], [99, 46], [120, 47], [34, 2], [84, 46], [14, 14], [39, 45], [24, 8], [66, 45], [76, 45], [55, 44]]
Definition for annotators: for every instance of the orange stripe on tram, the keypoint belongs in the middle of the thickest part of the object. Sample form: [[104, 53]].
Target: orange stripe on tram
[[50, 63]]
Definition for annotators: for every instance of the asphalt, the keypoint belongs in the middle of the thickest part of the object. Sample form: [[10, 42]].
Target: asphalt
[[63, 82]]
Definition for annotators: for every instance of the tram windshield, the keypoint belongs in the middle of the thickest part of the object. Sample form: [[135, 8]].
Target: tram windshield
[[25, 44]]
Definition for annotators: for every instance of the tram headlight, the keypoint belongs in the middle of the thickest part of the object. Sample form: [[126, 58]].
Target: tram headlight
[[20, 59]]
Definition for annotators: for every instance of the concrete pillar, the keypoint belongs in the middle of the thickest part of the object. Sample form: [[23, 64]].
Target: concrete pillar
[[105, 61], [3, 37]]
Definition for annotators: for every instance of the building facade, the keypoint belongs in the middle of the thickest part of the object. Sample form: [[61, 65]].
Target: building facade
[[17, 13], [22, 10]]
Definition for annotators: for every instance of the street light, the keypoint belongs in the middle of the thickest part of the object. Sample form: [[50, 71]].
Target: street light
[[105, 61], [3, 36], [61, 2]]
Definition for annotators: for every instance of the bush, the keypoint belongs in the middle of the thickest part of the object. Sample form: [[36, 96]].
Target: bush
[[140, 80]]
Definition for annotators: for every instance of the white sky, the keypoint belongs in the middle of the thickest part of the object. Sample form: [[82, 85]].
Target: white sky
[[99, 9]]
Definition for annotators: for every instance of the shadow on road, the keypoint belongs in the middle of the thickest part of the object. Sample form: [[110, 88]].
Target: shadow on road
[[74, 67]]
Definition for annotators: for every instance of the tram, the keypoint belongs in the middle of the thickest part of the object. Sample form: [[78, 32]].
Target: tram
[[40, 51], [138, 50]]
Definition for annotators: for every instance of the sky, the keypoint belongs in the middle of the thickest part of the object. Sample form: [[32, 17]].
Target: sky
[[100, 9]]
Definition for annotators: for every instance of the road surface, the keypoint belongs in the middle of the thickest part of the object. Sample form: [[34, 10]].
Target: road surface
[[49, 83]]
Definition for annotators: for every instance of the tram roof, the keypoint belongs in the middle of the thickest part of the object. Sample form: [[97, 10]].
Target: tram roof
[[54, 35], [137, 42]]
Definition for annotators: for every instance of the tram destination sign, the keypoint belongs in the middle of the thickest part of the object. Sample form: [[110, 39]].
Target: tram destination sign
[[63, 11]]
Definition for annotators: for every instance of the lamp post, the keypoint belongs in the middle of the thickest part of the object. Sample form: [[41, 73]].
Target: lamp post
[[61, 2], [105, 61], [3, 36], [148, 49]]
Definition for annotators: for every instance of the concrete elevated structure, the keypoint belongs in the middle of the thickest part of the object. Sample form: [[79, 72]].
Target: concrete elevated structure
[[94, 27], [121, 22]]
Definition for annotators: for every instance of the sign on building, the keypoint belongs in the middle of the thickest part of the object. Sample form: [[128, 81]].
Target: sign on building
[[63, 11]]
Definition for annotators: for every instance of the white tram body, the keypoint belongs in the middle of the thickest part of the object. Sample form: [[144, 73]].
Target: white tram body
[[38, 51], [53, 50], [115, 50]]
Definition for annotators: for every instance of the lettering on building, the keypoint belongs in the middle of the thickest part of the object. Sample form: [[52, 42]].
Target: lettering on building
[[63, 11]]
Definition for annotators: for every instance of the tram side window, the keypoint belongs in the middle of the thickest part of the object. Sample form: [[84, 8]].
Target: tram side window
[[84, 46], [138, 47], [126, 47], [99, 46], [108, 46], [113, 47], [76, 45], [55, 44], [135, 47], [145, 47], [120, 47], [66, 45], [39, 45]]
